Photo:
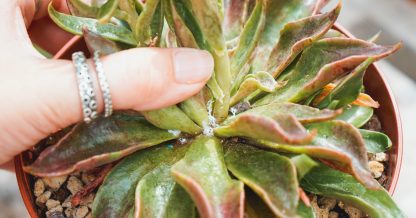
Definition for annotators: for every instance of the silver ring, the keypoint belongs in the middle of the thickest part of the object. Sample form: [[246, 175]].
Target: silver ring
[[105, 87], [85, 87]]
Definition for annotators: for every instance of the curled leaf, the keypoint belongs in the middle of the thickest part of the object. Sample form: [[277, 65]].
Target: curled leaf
[[375, 142], [270, 175], [349, 89], [102, 141], [340, 145], [303, 164], [296, 36], [277, 14], [327, 182], [74, 25], [281, 128], [116, 196], [303, 113], [203, 174], [323, 62], [261, 80]]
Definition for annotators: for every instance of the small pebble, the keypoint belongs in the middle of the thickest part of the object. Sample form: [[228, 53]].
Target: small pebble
[[39, 188], [328, 203], [376, 168], [54, 183], [41, 200], [89, 215], [55, 214], [56, 211], [69, 211], [320, 212], [333, 214], [67, 203], [80, 212], [74, 185], [353, 212], [52, 204], [381, 157]]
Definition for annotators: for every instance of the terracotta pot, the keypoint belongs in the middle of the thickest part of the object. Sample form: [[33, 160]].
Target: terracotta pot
[[375, 84]]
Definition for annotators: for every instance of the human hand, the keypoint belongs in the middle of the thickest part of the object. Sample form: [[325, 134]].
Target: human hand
[[40, 96]]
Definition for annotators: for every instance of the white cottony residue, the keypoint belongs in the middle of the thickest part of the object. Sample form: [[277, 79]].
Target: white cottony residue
[[208, 128], [233, 111], [175, 132], [182, 141]]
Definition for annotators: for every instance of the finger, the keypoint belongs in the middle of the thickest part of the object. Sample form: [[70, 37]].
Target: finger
[[156, 78], [38, 9]]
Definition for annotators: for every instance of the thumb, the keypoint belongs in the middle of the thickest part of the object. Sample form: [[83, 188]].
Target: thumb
[[150, 78]]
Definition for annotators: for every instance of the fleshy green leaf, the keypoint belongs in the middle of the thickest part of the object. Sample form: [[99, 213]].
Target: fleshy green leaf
[[279, 12], [323, 62], [305, 211], [202, 18], [196, 108], [107, 10], [303, 164], [261, 80], [331, 183], [348, 90], [339, 145], [281, 128], [270, 175], [96, 42], [202, 172], [375, 142], [255, 207], [79, 8], [116, 196], [296, 36], [102, 141], [172, 118], [247, 41], [74, 25], [143, 26], [303, 113], [159, 196], [356, 115]]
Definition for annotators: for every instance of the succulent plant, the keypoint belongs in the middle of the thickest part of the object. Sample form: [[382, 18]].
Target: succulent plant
[[281, 114]]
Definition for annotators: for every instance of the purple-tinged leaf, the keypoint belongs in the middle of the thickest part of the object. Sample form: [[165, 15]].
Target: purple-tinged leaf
[[323, 62], [116, 196], [102, 141], [203, 174], [303, 113], [96, 42], [348, 89], [339, 145], [296, 36], [270, 175], [279, 12], [281, 128]]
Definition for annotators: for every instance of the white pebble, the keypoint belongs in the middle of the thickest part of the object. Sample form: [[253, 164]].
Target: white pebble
[[74, 185]]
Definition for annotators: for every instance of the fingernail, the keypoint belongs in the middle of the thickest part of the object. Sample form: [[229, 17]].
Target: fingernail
[[192, 66]]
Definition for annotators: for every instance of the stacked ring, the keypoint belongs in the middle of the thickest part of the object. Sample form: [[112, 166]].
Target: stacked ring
[[105, 88]]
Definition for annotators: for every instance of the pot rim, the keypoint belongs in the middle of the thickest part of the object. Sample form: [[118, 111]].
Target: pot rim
[[24, 183]]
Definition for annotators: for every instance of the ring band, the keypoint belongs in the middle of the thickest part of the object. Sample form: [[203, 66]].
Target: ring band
[[105, 87], [85, 87]]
